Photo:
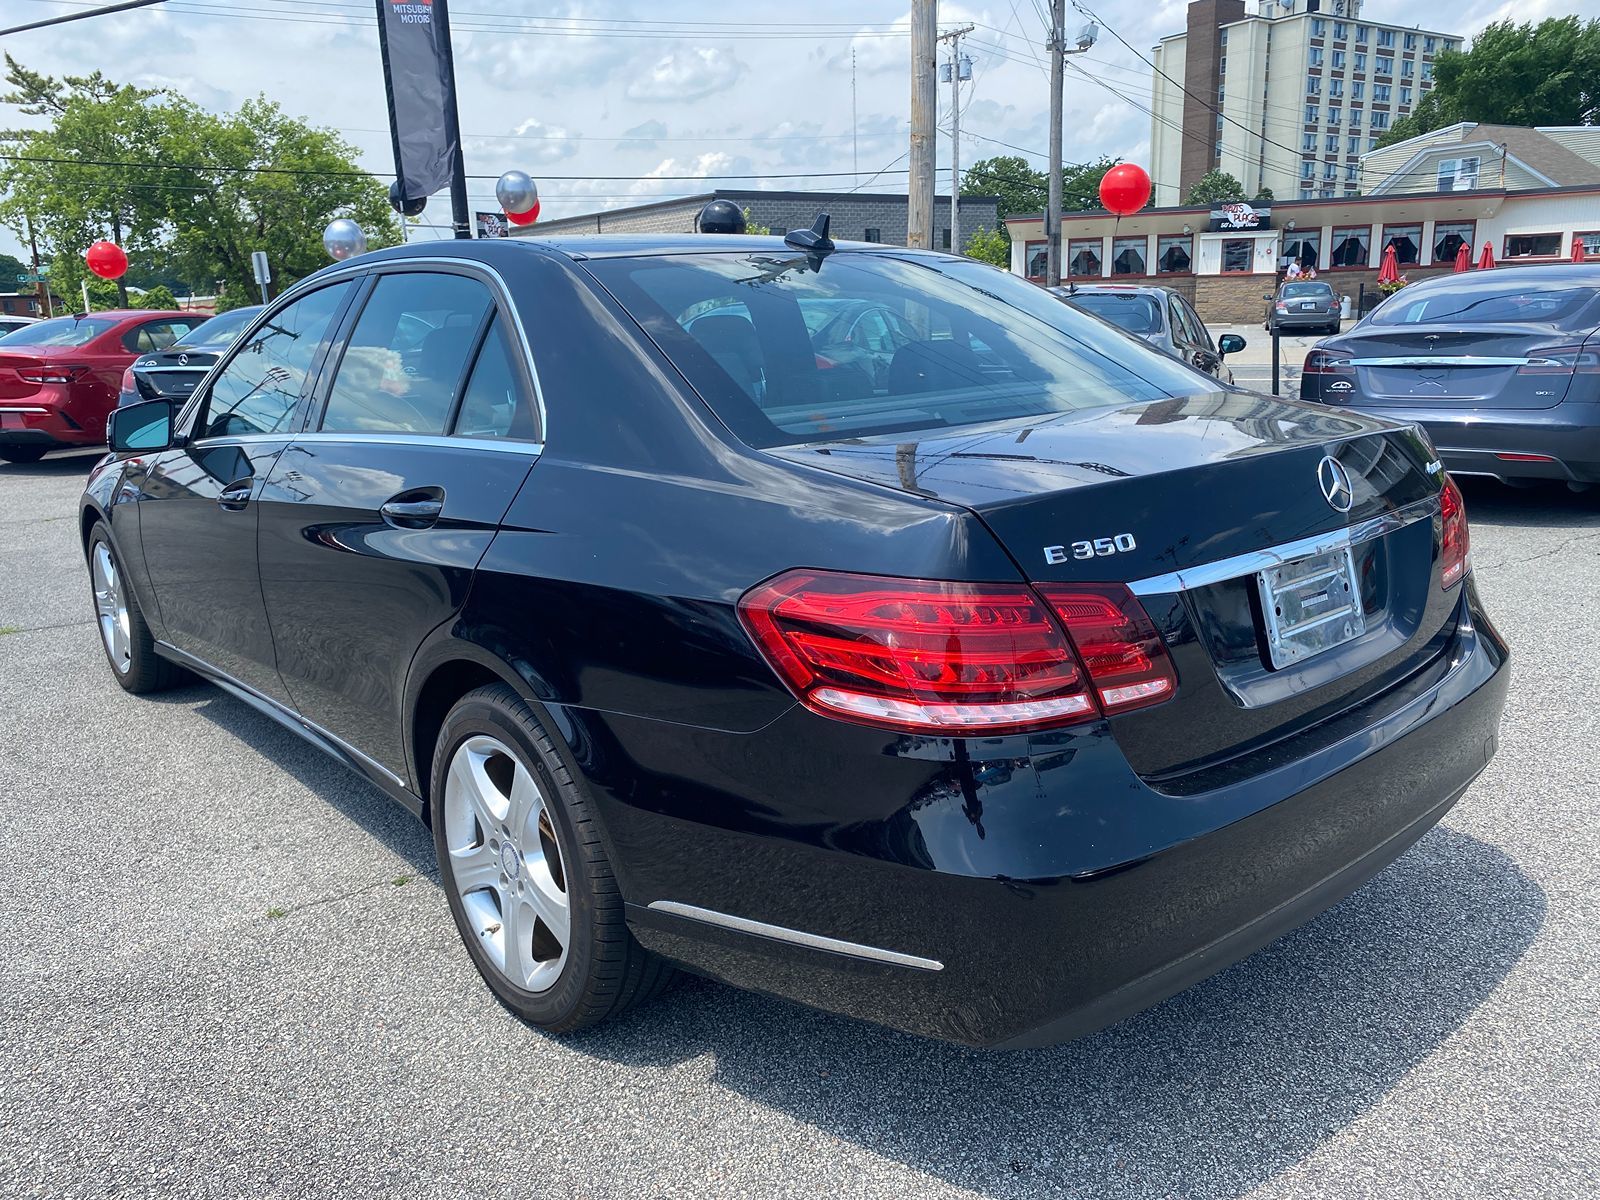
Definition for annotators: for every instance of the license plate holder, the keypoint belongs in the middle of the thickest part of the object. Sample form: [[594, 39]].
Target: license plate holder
[[1310, 605], [1308, 306]]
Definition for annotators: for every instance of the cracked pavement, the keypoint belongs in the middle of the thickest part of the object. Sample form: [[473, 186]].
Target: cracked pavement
[[164, 1031]]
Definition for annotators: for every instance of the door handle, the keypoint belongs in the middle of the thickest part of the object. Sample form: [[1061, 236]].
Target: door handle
[[236, 495], [416, 509]]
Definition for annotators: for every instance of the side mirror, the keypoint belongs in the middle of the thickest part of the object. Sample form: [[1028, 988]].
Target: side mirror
[[140, 427], [1230, 343]]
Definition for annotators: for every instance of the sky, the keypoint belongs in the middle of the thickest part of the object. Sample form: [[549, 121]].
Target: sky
[[810, 95]]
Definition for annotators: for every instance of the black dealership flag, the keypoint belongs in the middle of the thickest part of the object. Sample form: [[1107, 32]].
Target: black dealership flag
[[415, 39]]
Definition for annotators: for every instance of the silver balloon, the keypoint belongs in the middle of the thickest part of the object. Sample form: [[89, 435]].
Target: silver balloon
[[344, 239], [516, 192]]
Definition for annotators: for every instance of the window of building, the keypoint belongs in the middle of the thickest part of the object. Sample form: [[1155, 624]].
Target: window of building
[[1372, 144], [1381, 92], [1127, 255], [1083, 258], [1532, 245], [1338, 60], [1411, 41], [1358, 90], [1330, 170], [1312, 114], [944, 238], [1361, 63], [1308, 141], [1319, 27], [1335, 87], [1313, 85], [1355, 118], [1383, 66], [1315, 56], [1334, 113], [873, 234], [1427, 72], [1363, 34], [1174, 253], [1351, 245], [1405, 95], [1036, 259], [1341, 30], [1352, 145], [1351, 172], [1331, 143], [1408, 68], [1386, 38], [1591, 243], [1238, 256], [1380, 120], [1449, 237], [1304, 248], [1308, 167], [1407, 243], [1325, 193], [1305, 186], [1451, 45], [1429, 45]]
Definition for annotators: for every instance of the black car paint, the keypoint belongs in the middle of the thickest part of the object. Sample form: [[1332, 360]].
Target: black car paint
[[1059, 882]]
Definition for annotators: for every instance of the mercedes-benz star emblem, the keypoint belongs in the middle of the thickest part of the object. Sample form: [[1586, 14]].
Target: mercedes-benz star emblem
[[1335, 481], [183, 360]]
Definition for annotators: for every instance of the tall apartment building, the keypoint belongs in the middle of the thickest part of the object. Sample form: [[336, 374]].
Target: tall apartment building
[[1287, 98]]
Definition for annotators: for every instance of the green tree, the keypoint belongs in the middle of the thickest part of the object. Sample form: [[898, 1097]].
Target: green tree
[[990, 246], [1015, 185], [10, 268], [1215, 187], [159, 297], [1527, 74], [751, 226]]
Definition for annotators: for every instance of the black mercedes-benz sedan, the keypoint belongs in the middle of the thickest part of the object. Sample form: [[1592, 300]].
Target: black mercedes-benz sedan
[[172, 373], [995, 700], [1502, 368]]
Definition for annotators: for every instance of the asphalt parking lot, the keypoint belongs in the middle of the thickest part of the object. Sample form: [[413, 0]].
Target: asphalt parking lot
[[227, 969]]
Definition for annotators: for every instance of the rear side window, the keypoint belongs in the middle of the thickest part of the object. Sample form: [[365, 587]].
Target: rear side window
[[155, 335], [407, 355], [1499, 301], [963, 344], [259, 388], [494, 404]]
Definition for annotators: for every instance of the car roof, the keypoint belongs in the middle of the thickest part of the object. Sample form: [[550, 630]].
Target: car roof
[[625, 245], [1131, 289]]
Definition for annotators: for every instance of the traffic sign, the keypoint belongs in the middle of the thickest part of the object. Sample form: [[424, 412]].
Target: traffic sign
[[39, 278], [258, 262]]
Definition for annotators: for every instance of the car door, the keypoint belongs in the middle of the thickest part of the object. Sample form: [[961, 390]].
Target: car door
[[197, 501], [374, 520]]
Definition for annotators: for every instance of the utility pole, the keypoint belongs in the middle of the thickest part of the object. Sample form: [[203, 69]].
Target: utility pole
[[1058, 52], [954, 69], [919, 198]]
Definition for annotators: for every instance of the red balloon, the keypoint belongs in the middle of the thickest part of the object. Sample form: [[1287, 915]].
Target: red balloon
[[106, 260], [1125, 189], [527, 218]]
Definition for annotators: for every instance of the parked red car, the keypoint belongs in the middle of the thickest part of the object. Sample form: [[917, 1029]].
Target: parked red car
[[59, 378]]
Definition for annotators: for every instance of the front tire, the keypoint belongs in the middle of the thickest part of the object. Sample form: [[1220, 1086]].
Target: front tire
[[129, 646], [530, 887], [23, 454]]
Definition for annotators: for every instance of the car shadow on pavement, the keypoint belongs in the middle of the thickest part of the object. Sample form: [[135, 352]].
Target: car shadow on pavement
[[1212, 1093], [1542, 505], [54, 466]]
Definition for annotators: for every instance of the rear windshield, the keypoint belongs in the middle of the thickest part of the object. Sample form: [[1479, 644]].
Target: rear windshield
[[1498, 301], [220, 330], [1320, 290], [765, 339], [1136, 314], [62, 331]]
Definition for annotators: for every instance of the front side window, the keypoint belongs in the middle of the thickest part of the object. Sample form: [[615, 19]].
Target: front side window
[[407, 355], [986, 346], [1174, 253], [1350, 246], [1127, 256], [1407, 242], [261, 385]]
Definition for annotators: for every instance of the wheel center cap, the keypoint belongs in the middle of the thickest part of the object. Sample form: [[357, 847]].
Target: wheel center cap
[[510, 860]]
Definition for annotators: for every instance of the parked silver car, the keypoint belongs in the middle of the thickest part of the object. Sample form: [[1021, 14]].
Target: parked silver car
[[1160, 316], [1303, 304]]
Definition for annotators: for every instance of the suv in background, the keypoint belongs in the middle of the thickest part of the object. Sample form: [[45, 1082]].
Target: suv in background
[[1160, 316]]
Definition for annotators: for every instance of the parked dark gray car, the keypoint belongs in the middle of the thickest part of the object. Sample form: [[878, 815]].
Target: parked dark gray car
[[1160, 316], [1502, 368], [1303, 304]]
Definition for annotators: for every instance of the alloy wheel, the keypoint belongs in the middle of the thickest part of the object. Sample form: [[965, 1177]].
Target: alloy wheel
[[506, 863], [111, 607]]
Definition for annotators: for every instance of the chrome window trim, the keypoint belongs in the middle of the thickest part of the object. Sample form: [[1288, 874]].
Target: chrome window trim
[[388, 265], [1240, 565], [506, 445], [22, 408], [797, 937], [1447, 360]]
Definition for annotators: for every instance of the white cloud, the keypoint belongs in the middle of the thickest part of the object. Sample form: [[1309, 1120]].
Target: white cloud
[[687, 74]]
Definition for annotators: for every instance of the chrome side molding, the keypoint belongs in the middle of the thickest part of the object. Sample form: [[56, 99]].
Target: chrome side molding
[[796, 937]]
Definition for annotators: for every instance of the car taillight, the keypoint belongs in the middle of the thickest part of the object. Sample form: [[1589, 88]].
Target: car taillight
[[957, 658], [1323, 362], [1454, 542], [924, 656], [1562, 360], [1281, 306], [49, 374], [128, 384], [1115, 640]]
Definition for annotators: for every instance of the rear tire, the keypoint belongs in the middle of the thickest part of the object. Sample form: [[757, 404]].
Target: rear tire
[[530, 887], [129, 647], [23, 454]]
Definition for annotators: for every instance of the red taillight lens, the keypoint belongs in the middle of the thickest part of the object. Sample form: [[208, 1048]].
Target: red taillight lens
[[959, 658], [929, 657], [128, 384], [1454, 542], [1125, 657], [1562, 360], [1323, 362], [51, 374]]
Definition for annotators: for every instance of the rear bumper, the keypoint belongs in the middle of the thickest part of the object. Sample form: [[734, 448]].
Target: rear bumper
[[1053, 891], [1305, 320], [23, 423], [1470, 441]]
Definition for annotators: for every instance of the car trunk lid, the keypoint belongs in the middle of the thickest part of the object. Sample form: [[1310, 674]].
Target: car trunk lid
[[1190, 501], [12, 385]]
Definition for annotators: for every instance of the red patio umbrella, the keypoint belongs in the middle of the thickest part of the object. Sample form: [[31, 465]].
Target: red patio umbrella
[[1486, 259], [1577, 248], [1463, 258], [1389, 272]]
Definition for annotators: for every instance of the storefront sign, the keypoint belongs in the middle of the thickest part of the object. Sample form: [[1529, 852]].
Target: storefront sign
[[1240, 216]]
